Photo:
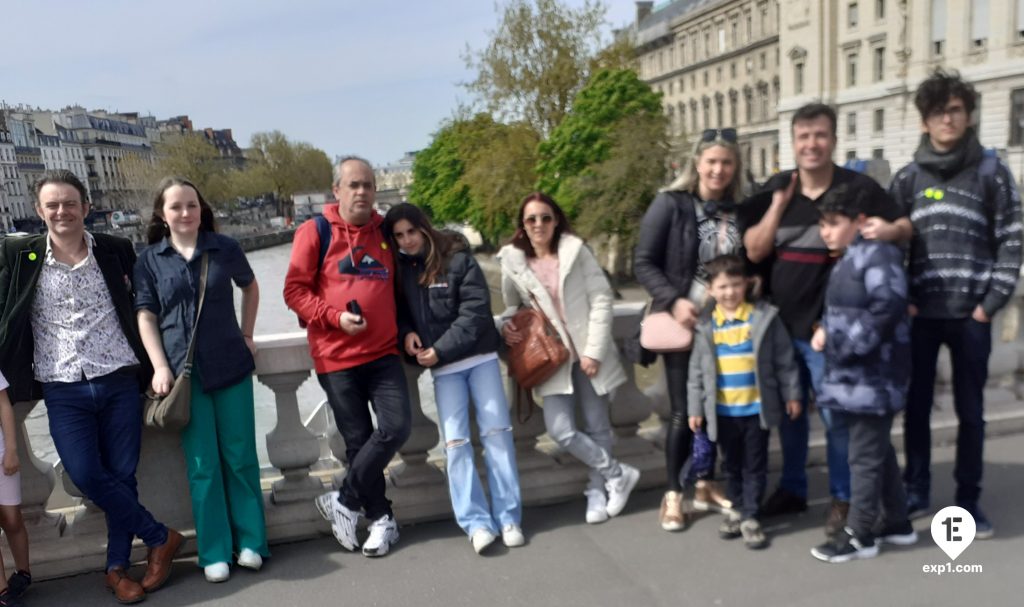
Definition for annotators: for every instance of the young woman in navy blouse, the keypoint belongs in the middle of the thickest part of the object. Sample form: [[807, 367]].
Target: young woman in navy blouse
[[220, 440]]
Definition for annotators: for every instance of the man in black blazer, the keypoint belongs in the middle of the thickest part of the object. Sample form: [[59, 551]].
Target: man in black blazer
[[68, 335]]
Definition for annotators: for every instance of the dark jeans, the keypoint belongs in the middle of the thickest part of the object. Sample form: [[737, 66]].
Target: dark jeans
[[970, 343], [96, 427], [744, 446], [679, 438], [875, 476], [381, 383]]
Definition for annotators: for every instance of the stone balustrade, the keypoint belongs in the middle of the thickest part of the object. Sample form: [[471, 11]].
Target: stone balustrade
[[73, 540]]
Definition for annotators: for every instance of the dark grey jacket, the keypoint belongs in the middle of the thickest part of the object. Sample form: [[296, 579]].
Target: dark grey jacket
[[665, 259], [778, 377]]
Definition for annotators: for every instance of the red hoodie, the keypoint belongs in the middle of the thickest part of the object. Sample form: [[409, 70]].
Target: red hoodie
[[320, 297]]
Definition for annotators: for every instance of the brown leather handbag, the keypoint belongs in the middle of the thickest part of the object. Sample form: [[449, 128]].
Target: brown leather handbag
[[541, 352]]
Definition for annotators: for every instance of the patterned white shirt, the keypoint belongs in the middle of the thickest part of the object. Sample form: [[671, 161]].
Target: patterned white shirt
[[74, 322]]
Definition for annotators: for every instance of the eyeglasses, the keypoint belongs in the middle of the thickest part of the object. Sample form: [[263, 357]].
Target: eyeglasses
[[956, 111], [710, 135], [533, 219]]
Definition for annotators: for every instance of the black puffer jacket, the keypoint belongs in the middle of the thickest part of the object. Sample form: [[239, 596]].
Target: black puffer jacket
[[453, 315], [665, 259]]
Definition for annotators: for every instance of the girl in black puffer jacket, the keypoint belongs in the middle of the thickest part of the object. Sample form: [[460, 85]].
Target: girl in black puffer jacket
[[445, 322]]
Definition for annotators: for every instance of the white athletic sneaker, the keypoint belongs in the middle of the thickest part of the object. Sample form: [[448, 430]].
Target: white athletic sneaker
[[383, 535], [343, 521], [597, 506], [217, 572], [482, 539], [250, 559], [620, 487], [512, 535]]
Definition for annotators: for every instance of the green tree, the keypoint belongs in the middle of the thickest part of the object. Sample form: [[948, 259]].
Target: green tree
[[188, 155], [536, 60], [288, 167], [592, 137], [438, 170]]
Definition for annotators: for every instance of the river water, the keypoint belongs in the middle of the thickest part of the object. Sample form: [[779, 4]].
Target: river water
[[270, 266]]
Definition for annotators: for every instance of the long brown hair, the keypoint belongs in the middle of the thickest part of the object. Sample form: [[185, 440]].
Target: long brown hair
[[158, 229], [520, 239], [437, 246]]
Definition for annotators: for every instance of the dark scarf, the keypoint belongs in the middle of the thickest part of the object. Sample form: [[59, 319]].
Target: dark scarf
[[967, 152]]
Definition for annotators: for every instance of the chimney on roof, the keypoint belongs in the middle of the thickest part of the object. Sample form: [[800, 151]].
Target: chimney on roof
[[643, 10]]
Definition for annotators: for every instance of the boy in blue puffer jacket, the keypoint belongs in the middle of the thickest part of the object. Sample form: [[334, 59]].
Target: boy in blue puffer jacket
[[865, 334]]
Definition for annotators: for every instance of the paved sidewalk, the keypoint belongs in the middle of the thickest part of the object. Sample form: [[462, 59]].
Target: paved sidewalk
[[627, 562]]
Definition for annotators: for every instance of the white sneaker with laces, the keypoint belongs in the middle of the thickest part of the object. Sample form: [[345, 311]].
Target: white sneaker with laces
[[597, 506], [383, 535], [620, 487], [482, 539], [250, 559], [217, 572], [343, 521], [512, 535]]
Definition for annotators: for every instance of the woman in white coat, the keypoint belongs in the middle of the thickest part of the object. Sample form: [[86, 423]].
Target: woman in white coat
[[546, 261]]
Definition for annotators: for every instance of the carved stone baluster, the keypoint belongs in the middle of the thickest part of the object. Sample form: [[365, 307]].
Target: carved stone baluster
[[292, 449], [37, 482]]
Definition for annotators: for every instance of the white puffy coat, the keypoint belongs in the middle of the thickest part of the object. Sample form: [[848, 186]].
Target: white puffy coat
[[587, 299]]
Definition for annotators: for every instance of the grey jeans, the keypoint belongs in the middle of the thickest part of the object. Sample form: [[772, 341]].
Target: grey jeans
[[592, 446]]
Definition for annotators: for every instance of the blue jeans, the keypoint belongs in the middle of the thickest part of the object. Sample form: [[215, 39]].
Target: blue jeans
[[453, 393], [96, 427], [970, 344], [794, 434], [351, 392]]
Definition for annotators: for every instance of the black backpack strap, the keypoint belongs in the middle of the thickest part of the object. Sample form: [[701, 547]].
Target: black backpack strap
[[323, 228]]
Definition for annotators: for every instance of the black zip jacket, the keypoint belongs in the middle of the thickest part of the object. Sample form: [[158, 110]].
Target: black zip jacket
[[453, 315]]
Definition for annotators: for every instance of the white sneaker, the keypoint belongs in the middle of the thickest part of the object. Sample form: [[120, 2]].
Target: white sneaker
[[343, 521], [482, 538], [620, 487], [217, 572], [383, 535], [512, 535], [250, 559], [597, 506]]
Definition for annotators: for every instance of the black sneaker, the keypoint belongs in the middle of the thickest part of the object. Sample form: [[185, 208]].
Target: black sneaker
[[783, 502], [845, 547], [900, 534], [982, 526], [7, 600], [730, 527], [18, 583], [917, 505]]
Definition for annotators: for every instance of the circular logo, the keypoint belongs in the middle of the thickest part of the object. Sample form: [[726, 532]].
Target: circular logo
[[32, 256]]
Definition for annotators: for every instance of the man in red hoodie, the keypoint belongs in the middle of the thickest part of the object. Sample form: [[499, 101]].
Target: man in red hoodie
[[348, 305]]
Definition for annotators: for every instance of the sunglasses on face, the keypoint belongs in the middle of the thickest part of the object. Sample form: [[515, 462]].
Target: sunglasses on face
[[710, 135], [533, 219]]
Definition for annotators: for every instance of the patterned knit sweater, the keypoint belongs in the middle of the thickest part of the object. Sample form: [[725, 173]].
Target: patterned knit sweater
[[966, 248]]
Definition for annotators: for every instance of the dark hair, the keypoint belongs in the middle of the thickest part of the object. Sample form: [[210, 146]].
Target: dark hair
[[157, 229], [815, 110], [841, 200], [935, 92], [62, 177], [522, 241], [729, 264], [438, 245]]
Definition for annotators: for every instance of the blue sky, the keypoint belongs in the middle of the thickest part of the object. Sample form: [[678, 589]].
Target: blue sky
[[368, 77]]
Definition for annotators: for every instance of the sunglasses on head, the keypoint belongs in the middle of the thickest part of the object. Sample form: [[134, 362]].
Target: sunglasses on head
[[710, 135], [532, 219]]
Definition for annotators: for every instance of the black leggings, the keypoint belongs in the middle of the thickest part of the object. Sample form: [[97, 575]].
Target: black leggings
[[679, 439]]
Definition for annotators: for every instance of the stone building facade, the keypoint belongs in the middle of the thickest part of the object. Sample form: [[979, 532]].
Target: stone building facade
[[715, 62]]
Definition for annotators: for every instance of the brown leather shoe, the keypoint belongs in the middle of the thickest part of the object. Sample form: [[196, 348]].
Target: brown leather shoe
[[125, 589], [160, 560]]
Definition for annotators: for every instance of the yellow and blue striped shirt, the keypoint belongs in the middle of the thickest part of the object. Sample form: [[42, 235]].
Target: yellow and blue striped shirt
[[737, 394]]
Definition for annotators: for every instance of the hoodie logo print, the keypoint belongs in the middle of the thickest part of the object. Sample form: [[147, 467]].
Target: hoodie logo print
[[361, 264]]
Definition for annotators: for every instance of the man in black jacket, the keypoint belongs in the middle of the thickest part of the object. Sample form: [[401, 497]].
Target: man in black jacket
[[965, 259], [68, 334]]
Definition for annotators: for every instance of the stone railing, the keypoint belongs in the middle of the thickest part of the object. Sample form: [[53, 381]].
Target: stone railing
[[72, 540]]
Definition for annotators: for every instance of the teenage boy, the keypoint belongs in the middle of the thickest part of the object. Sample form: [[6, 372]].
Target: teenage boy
[[781, 224], [965, 259], [865, 335], [743, 377]]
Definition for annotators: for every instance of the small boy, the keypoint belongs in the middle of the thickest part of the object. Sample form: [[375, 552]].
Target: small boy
[[865, 334], [742, 370]]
